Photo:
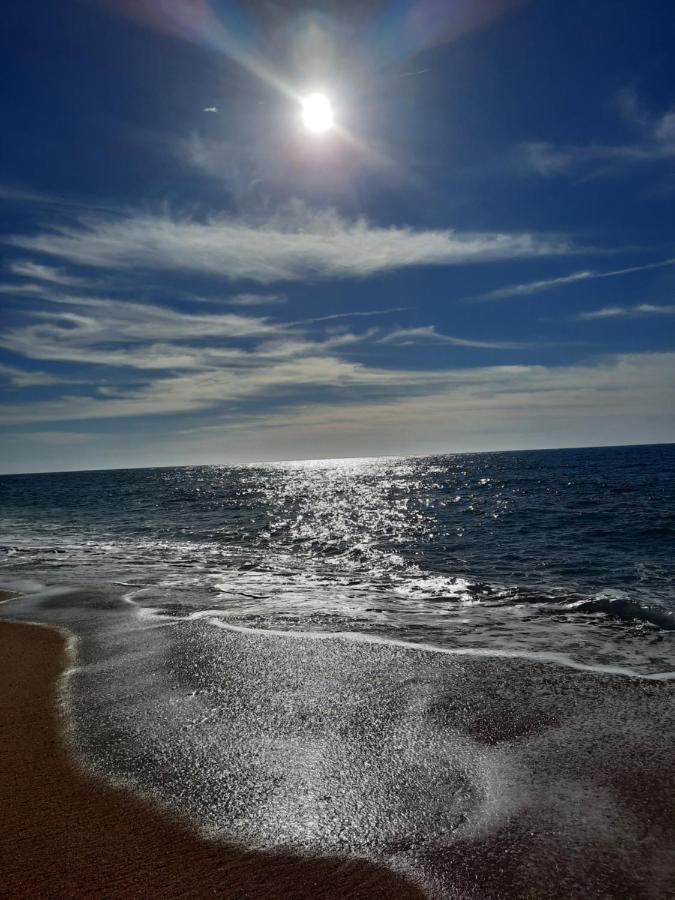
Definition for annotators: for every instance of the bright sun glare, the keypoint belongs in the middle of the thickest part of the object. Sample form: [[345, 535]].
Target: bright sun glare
[[317, 113]]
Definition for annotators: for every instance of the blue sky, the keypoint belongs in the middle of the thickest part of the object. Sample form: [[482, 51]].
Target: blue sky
[[480, 255]]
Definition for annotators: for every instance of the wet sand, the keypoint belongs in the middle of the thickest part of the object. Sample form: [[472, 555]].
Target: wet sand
[[67, 835], [485, 778]]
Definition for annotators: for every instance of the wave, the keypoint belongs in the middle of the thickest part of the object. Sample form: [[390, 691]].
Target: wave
[[301, 580], [627, 611]]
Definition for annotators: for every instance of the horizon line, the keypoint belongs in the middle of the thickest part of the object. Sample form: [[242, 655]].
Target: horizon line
[[274, 462]]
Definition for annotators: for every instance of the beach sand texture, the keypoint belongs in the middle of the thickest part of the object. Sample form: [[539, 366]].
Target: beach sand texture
[[66, 835], [484, 778]]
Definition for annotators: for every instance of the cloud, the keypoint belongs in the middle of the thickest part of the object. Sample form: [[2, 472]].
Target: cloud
[[257, 300], [29, 289], [613, 399], [362, 313], [144, 336], [635, 382], [294, 243], [28, 269], [20, 378], [147, 337], [549, 160], [106, 320], [121, 334], [209, 389], [227, 161], [429, 333], [655, 142], [20, 197], [114, 341], [613, 312], [536, 287], [609, 400], [54, 438], [233, 366]]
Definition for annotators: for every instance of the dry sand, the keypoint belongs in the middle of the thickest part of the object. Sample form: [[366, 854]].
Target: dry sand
[[66, 835]]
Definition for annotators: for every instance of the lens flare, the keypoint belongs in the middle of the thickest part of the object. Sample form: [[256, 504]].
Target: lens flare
[[317, 113]]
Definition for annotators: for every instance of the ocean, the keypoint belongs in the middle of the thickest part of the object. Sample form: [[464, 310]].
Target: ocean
[[275, 651], [565, 552]]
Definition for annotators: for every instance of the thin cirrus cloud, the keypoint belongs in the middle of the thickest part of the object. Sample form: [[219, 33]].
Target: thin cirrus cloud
[[86, 329], [616, 312], [354, 314], [636, 384], [39, 272], [549, 159], [124, 334], [194, 391], [294, 243], [471, 402], [204, 363], [78, 328], [549, 284], [257, 300], [655, 142], [21, 378], [429, 334]]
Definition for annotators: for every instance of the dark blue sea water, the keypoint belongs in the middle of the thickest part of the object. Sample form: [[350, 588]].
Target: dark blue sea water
[[567, 554]]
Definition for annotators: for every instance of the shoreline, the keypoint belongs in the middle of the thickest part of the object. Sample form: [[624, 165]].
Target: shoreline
[[67, 834], [473, 777], [537, 657]]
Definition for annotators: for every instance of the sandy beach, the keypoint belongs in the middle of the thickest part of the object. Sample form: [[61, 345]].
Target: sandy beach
[[66, 835], [480, 777]]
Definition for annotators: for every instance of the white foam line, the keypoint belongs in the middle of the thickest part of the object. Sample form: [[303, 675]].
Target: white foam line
[[359, 637]]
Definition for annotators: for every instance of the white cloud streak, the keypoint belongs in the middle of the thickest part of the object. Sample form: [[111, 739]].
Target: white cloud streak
[[550, 406], [548, 284], [21, 378], [39, 272], [628, 382], [142, 336], [361, 313], [639, 311], [429, 334], [549, 160], [226, 366], [257, 300], [209, 389], [295, 243], [26, 289], [656, 142]]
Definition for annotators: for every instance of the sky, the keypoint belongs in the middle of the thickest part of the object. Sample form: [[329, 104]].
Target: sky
[[478, 255]]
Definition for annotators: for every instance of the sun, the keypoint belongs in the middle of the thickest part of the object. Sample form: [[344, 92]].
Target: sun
[[317, 113]]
